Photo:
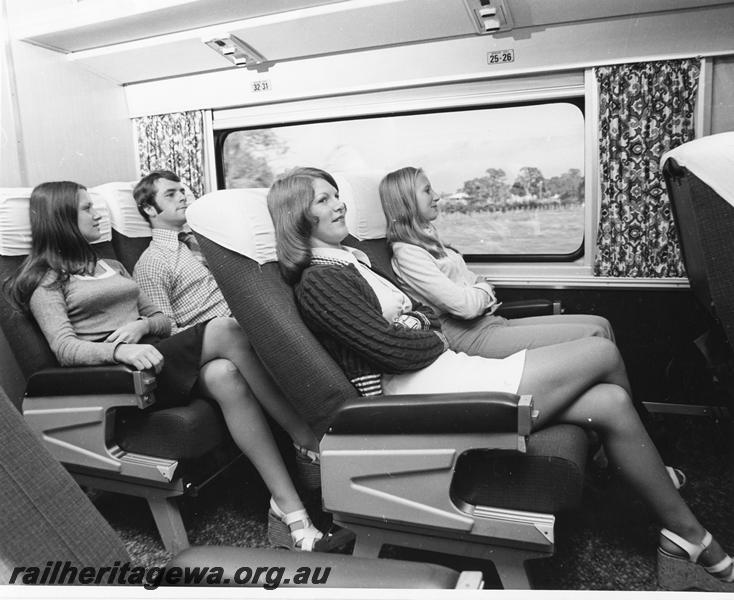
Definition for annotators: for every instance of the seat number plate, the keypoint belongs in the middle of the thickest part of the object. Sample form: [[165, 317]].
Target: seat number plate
[[500, 56], [262, 85]]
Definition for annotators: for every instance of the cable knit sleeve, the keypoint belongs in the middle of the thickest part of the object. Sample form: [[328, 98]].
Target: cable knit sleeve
[[50, 311], [421, 273], [337, 301]]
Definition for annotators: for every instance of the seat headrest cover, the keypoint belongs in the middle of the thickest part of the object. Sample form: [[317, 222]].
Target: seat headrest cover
[[711, 159], [238, 220], [15, 222], [124, 215], [360, 192]]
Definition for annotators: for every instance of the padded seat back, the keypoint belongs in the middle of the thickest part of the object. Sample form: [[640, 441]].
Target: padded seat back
[[131, 233], [698, 177], [236, 235], [45, 516], [678, 181], [365, 218]]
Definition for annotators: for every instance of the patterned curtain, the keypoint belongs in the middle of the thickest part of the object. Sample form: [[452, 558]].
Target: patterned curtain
[[174, 142], [645, 109]]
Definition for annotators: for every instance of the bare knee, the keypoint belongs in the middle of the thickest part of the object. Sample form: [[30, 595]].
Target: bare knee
[[614, 407], [617, 399], [221, 380], [225, 333], [224, 326]]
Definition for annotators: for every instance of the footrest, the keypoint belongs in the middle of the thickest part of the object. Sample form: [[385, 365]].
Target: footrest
[[144, 467], [270, 569]]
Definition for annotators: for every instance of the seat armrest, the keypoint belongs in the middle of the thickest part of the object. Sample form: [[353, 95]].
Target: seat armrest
[[528, 308], [475, 412], [78, 381], [73, 410]]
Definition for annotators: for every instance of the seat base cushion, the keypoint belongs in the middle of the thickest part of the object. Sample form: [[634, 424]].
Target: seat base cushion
[[179, 432]]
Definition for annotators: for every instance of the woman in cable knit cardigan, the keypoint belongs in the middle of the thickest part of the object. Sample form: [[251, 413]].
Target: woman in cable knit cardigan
[[438, 276], [385, 342], [92, 312]]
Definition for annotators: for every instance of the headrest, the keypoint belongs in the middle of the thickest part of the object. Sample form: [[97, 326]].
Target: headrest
[[238, 220], [711, 159], [360, 192], [124, 215], [15, 221]]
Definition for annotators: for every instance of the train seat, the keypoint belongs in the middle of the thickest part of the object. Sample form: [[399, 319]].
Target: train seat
[[701, 191], [413, 471], [183, 432], [130, 231], [46, 517], [101, 422]]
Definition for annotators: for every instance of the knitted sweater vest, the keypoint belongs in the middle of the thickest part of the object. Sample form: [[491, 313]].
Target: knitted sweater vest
[[343, 312]]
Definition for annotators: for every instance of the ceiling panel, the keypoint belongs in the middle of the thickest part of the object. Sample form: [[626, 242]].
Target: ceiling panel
[[70, 32], [167, 42]]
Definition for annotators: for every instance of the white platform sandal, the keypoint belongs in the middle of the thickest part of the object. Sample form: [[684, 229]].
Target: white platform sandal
[[684, 572], [281, 534]]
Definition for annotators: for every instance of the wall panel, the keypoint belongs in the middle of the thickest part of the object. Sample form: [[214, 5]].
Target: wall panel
[[69, 123], [722, 97]]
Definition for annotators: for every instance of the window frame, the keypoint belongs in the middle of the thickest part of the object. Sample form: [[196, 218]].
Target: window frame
[[513, 92], [221, 135]]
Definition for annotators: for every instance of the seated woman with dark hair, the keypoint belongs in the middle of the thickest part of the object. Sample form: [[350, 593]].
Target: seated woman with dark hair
[[92, 312], [384, 342]]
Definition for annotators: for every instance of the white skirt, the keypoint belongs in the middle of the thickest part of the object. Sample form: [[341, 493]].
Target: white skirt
[[459, 372]]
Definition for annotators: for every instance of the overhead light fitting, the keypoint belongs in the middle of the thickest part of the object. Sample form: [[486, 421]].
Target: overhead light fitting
[[239, 53], [490, 16]]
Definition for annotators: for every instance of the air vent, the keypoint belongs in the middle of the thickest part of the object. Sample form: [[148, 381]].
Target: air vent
[[239, 53], [490, 16]]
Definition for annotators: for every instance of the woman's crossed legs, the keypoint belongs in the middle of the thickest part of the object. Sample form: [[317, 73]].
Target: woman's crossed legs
[[583, 382]]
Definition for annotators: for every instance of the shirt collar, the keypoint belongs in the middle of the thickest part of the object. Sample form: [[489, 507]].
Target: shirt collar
[[343, 254], [166, 237]]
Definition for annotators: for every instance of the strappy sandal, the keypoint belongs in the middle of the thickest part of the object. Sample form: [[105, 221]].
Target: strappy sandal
[[677, 476], [685, 572], [308, 466], [282, 534]]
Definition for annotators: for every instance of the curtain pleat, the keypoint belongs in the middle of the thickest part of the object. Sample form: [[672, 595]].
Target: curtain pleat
[[645, 109], [175, 142]]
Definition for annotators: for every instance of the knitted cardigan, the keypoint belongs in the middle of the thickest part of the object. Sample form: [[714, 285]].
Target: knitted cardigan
[[343, 312]]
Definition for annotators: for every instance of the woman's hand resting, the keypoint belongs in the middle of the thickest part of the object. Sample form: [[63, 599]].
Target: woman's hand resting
[[130, 333], [139, 356]]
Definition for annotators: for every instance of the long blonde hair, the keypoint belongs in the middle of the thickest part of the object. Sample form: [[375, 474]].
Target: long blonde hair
[[404, 223], [289, 203]]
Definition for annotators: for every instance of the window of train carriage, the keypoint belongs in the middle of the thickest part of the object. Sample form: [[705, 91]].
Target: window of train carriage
[[510, 177]]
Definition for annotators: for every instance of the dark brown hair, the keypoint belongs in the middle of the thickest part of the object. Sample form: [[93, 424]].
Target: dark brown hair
[[57, 244]]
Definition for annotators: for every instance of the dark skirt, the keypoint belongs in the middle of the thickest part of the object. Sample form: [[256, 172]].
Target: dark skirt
[[181, 363]]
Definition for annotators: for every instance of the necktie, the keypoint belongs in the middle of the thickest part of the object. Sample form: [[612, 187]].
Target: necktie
[[192, 244]]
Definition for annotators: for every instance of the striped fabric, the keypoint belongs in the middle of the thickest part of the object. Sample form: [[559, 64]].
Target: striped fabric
[[368, 385]]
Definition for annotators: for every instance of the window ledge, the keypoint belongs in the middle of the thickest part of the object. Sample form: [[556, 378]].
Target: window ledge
[[560, 276]]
